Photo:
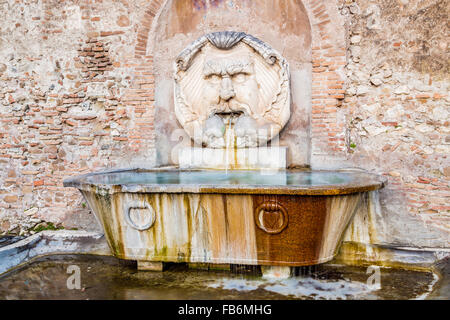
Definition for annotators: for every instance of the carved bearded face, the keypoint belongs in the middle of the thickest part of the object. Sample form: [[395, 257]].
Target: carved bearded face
[[231, 89], [230, 86], [230, 94]]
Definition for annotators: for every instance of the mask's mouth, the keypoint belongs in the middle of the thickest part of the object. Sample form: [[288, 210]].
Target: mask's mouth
[[229, 116]]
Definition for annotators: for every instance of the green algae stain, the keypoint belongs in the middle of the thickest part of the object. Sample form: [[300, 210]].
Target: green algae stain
[[187, 206]]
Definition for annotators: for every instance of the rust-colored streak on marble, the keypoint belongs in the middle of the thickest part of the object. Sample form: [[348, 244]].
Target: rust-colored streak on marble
[[299, 243], [241, 239], [340, 211], [216, 225], [199, 234], [176, 228]]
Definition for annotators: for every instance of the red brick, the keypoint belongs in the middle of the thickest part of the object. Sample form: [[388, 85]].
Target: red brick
[[38, 183]]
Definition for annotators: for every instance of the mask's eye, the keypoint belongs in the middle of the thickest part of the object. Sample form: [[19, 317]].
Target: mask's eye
[[214, 78], [239, 77]]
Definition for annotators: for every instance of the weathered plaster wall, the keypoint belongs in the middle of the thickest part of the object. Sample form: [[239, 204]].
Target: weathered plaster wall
[[85, 85]]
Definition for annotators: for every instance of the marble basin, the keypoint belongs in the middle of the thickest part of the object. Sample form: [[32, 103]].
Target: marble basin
[[283, 218]]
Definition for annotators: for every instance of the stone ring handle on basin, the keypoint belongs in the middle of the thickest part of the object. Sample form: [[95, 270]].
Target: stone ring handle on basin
[[145, 207], [271, 217]]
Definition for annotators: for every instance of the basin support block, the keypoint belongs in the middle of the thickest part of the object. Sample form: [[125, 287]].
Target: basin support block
[[150, 265], [276, 272]]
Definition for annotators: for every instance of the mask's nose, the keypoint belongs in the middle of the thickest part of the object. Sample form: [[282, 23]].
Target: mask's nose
[[226, 89]]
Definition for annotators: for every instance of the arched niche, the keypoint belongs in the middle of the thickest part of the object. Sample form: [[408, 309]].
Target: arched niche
[[284, 24]]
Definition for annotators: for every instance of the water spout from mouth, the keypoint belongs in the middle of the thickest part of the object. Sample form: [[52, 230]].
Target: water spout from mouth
[[229, 144]]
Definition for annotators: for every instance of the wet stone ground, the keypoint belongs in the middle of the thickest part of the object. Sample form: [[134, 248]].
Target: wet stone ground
[[110, 278]]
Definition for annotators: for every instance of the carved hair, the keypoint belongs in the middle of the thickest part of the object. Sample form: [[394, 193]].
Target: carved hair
[[226, 40]]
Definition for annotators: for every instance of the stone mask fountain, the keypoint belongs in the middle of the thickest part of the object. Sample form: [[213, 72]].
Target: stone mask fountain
[[232, 97], [232, 93]]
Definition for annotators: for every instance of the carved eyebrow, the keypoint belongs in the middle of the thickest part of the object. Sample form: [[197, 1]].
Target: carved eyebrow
[[212, 68], [242, 66]]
